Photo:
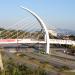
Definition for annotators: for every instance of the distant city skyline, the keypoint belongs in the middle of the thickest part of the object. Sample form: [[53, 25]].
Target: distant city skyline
[[59, 13]]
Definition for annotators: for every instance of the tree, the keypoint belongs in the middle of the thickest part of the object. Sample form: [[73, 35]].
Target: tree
[[72, 37]]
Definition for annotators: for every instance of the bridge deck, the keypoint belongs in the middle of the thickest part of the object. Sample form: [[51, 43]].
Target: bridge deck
[[52, 41]]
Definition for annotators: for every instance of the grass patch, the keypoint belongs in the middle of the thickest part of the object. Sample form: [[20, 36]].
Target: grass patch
[[69, 73]]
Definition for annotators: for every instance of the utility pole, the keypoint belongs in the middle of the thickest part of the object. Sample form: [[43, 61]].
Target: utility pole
[[17, 38], [1, 63]]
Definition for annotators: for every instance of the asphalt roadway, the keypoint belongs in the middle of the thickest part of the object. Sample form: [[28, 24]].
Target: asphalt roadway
[[53, 60]]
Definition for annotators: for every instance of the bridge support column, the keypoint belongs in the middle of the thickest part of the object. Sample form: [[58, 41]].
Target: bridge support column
[[48, 48], [47, 45]]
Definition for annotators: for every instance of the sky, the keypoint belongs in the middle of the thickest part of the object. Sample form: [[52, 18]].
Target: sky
[[57, 13]]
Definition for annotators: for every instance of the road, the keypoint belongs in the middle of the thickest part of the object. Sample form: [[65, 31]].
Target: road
[[55, 61]]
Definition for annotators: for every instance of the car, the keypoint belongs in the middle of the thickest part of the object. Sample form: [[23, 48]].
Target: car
[[70, 52]]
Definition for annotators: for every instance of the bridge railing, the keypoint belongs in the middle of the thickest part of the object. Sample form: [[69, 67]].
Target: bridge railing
[[59, 41]]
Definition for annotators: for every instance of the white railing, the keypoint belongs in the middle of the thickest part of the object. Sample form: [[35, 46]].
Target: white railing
[[51, 41]]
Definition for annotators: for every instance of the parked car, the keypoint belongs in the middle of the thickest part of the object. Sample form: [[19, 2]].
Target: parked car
[[70, 52]]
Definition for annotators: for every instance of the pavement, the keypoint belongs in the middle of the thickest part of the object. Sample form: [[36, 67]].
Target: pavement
[[56, 61]]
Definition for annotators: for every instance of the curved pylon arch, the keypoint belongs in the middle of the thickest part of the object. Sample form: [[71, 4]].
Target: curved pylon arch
[[43, 26]]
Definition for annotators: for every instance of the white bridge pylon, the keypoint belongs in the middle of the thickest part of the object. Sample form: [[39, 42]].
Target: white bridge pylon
[[43, 27]]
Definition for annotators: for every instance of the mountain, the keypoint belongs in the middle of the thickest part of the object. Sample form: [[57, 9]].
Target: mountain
[[65, 31]]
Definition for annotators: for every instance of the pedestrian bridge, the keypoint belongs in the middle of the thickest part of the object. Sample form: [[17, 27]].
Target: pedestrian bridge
[[21, 41], [19, 33]]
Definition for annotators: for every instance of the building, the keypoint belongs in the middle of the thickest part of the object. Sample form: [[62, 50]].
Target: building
[[52, 32]]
